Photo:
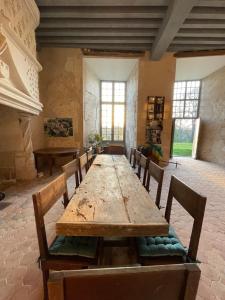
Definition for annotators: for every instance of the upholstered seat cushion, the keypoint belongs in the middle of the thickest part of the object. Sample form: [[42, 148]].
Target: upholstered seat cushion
[[161, 245], [70, 245]]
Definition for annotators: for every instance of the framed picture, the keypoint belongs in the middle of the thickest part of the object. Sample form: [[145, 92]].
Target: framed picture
[[58, 127]]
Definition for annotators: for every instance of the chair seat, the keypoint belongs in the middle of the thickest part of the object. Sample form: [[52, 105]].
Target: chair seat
[[161, 245], [71, 245]]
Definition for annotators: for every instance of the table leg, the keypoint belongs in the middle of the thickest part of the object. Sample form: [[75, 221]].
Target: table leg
[[50, 164], [36, 162]]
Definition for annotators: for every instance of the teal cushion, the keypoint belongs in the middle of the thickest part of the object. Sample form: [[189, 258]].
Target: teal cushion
[[161, 245], [72, 245]]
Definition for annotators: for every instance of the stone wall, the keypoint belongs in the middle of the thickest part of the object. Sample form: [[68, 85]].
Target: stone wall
[[211, 146], [131, 110], [91, 103], [156, 78], [61, 92]]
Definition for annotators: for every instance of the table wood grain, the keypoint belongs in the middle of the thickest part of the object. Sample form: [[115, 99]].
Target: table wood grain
[[111, 201]]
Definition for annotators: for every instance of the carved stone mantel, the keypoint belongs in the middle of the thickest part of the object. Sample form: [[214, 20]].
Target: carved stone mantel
[[19, 67]]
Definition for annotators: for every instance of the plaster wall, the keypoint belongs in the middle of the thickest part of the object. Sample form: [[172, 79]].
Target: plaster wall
[[91, 103], [61, 92], [211, 146], [131, 110], [156, 78]]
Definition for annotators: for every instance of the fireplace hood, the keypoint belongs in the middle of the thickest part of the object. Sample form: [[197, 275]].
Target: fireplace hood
[[19, 70]]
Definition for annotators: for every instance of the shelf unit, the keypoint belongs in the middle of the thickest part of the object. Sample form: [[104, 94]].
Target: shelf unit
[[154, 123]]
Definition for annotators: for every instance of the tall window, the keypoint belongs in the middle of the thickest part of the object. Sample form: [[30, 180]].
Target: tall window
[[186, 99], [112, 110]]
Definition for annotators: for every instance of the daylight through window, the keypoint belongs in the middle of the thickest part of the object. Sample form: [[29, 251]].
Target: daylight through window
[[112, 110], [186, 99]]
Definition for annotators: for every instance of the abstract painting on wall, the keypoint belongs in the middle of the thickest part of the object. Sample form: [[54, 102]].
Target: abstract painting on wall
[[58, 127]]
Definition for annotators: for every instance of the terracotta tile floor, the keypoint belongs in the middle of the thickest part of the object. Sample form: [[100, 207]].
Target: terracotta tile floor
[[20, 278]]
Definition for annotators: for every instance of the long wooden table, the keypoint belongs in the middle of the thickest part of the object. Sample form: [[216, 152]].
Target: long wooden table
[[111, 201]]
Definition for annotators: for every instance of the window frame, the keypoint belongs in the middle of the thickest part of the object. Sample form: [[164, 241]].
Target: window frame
[[113, 103], [185, 100]]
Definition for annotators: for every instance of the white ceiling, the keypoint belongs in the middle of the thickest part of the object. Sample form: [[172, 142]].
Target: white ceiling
[[198, 67], [111, 68]]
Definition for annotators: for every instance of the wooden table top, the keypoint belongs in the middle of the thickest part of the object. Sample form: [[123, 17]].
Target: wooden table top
[[56, 151], [111, 201]]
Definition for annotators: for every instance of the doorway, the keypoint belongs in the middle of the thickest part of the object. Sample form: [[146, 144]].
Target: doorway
[[183, 137], [186, 99]]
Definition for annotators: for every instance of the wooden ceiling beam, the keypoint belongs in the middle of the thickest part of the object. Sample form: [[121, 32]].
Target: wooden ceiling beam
[[90, 40], [95, 15], [191, 47], [103, 23], [98, 32], [65, 3], [203, 24], [199, 41], [132, 47], [210, 3], [201, 33], [178, 11], [199, 53]]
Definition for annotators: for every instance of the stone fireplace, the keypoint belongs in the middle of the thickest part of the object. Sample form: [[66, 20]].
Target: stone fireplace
[[19, 91]]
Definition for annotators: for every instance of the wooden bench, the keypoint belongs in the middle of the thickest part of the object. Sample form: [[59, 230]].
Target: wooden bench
[[171, 282]]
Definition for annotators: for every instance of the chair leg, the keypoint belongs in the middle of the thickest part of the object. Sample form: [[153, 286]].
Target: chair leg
[[45, 275]]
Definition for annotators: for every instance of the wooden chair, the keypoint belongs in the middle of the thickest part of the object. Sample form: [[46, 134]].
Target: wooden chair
[[171, 282], [143, 165], [137, 158], [70, 169], [65, 252], [157, 173], [167, 249], [83, 165], [90, 157], [132, 155], [115, 149]]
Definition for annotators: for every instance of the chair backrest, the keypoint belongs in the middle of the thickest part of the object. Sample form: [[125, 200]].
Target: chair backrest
[[83, 164], [115, 149], [132, 154], [43, 201], [143, 164], [90, 156], [137, 158], [194, 204], [72, 168], [157, 173], [168, 282]]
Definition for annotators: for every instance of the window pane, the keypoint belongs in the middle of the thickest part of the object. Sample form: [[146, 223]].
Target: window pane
[[106, 91], [118, 122], [191, 109], [107, 122], [179, 90], [119, 92], [178, 109], [193, 89]]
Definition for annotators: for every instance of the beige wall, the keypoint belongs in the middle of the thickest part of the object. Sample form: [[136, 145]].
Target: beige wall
[[156, 78], [212, 113], [91, 103], [61, 91], [131, 110]]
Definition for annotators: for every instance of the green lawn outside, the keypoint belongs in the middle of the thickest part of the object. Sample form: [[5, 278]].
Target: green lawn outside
[[182, 149]]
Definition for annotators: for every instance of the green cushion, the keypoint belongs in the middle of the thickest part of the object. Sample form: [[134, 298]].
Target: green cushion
[[71, 245], [161, 245]]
